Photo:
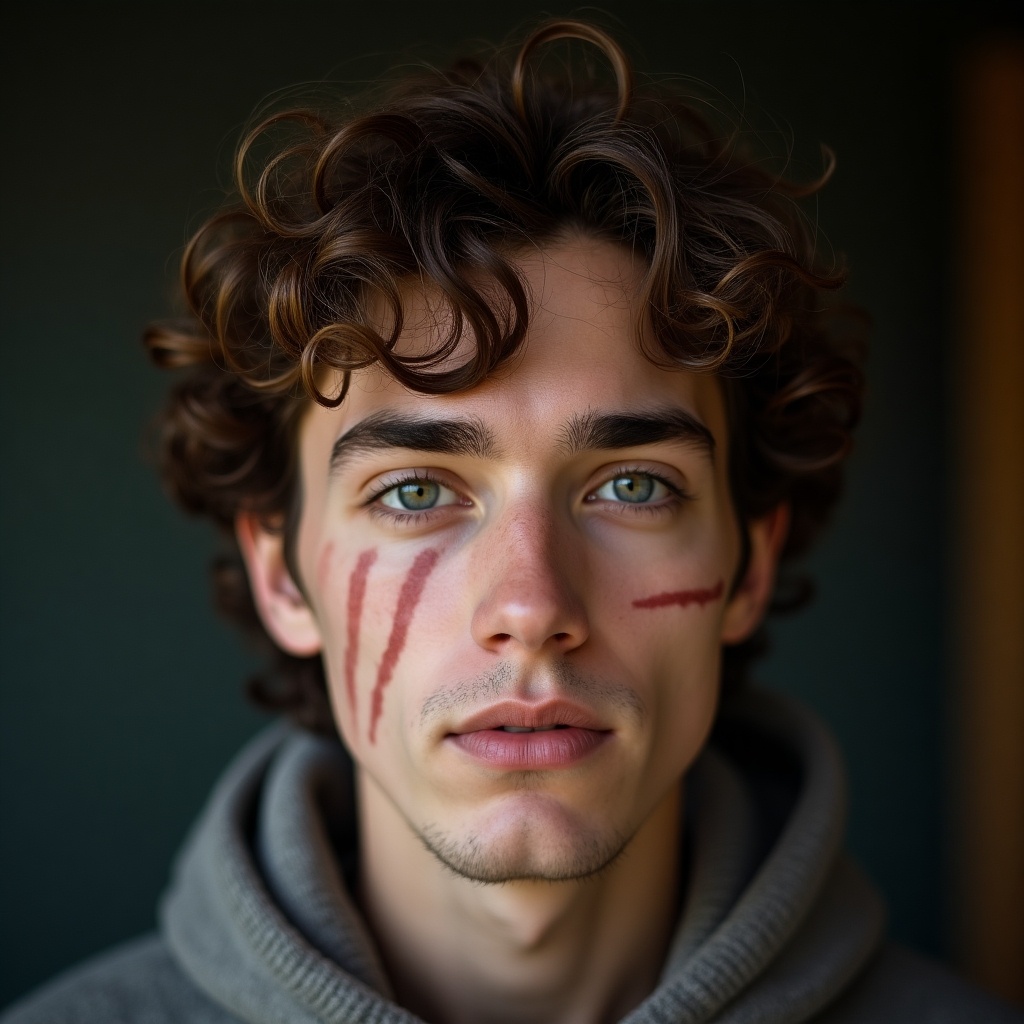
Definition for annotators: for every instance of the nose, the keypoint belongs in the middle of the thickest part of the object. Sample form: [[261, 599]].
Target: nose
[[526, 598]]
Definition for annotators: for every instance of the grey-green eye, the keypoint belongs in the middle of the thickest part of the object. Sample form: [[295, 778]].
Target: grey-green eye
[[418, 496], [634, 488]]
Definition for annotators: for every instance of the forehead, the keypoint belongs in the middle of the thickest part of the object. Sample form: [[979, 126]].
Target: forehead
[[581, 354]]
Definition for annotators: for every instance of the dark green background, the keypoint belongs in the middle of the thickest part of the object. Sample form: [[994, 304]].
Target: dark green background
[[120, 690]]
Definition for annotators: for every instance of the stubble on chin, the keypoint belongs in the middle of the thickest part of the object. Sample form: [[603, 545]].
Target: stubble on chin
[[526, 855]]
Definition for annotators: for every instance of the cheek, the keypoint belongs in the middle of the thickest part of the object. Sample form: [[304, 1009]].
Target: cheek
[[408, 601], [344, 607], [679, 585], [354, 602], [675, 575], [685, 650], [699, 596], [669, 620], [366, 615]]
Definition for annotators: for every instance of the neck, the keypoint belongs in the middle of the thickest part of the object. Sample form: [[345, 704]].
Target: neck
[[462, 952]]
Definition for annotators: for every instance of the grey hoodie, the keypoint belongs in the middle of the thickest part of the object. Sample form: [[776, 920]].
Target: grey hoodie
[[777, 925]]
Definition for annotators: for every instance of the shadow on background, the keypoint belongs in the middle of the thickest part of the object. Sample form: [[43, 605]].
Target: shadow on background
[[121, 696]]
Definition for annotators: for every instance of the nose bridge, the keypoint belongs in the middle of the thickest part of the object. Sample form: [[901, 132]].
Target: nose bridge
[[528, 595]]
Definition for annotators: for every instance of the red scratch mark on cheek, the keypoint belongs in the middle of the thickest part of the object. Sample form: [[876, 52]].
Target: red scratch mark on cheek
[[700, 596], [408, 598], [356, 595]]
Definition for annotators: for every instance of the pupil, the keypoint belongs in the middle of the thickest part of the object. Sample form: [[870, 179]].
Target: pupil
[[419, 495], [634, 488]]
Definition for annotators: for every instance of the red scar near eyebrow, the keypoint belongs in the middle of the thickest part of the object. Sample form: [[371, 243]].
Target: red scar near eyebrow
[[408, 598], [356, 594], [700, 596]]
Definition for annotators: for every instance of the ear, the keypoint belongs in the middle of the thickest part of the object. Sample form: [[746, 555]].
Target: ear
[[749, 601], [284, 611]]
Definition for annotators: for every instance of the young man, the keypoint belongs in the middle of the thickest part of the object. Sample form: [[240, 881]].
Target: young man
[[515, 390]]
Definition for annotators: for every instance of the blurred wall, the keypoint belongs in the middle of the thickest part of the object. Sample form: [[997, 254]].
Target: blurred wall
[[988, 572], [121, 692]]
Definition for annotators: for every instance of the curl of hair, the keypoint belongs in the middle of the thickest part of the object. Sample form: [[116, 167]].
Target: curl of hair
[[448, 179]]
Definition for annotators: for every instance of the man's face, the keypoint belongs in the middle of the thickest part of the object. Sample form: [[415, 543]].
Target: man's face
[[552, 551]]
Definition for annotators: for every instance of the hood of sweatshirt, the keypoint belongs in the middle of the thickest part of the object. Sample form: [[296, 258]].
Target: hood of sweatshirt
[[774, 927]]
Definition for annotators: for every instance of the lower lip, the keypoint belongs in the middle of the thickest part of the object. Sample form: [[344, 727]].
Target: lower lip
[[551, 748]]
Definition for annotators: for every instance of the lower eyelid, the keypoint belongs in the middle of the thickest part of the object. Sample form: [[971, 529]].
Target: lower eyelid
[[404, 517]]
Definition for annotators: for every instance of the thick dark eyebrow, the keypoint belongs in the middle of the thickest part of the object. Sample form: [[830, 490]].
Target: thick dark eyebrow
[[589, 430], [385, 430]]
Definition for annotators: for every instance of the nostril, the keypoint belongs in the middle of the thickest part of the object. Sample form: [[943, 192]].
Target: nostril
[[502, 636], [561, 636]]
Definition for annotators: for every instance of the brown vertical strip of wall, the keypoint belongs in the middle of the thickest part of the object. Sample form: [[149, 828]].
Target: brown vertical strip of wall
[[988, 388]]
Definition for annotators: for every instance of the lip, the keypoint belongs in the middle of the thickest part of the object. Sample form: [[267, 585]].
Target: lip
[[524, 715], [578, 734]]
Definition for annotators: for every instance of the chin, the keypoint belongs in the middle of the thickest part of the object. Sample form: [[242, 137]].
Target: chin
[[525, 850]]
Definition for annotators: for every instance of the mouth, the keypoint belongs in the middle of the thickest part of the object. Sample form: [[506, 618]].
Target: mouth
[[516, 716], [526, 728], [520, 736]]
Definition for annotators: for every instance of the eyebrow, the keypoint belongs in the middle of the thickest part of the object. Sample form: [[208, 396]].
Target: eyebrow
[[385, 430], [590, 431]]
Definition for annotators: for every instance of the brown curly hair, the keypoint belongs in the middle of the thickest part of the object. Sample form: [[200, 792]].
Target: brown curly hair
[[461, 170]]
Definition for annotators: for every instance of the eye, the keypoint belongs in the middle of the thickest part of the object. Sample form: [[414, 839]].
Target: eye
[[633, 488], [418, 495]]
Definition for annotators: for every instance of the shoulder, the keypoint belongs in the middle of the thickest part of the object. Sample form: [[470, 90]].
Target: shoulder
[[901, 986], [137, 983]]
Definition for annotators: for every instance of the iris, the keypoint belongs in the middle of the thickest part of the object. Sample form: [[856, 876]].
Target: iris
[[634, 488], [418, 494]]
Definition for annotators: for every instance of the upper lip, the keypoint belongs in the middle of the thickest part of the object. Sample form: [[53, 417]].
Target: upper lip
[[526, 715]]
